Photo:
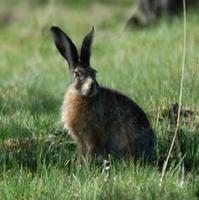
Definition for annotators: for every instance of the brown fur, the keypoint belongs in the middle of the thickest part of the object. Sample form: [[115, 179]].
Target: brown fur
[[107, 123], [100, 120]]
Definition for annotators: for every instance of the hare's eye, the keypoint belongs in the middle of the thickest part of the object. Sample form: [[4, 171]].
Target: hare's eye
[[76, 74]]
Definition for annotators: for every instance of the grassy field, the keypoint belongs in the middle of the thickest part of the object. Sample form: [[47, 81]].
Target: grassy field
[[144, 64]]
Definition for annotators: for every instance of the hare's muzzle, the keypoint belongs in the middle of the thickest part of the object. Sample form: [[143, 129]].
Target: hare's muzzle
[[89, 88]]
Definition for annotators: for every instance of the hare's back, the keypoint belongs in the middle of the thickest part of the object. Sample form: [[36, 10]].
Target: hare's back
[[120, 107], [128, 125]]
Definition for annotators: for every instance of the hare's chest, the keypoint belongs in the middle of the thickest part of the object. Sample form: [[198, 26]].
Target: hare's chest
[[76, 113]]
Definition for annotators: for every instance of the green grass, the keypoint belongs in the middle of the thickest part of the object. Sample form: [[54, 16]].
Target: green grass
[[144, 64]]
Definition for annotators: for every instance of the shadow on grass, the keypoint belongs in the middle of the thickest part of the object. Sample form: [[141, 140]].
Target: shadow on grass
[[31, 153], [189, 142], [36, 102]]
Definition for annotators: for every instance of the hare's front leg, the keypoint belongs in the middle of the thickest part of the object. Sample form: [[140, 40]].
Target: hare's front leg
[[82, 148], [95, 148], [81, 144]]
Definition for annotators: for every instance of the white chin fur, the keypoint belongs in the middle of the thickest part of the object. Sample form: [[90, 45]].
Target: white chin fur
[[85, 90]]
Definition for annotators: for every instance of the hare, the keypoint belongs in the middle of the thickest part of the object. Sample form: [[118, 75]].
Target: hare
[[100, 120]]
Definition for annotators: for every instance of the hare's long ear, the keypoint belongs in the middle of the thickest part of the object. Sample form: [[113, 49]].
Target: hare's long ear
[[85, 52], [65, 46]]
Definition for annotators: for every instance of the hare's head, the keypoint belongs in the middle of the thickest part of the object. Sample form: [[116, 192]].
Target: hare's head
[[83, 76]]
